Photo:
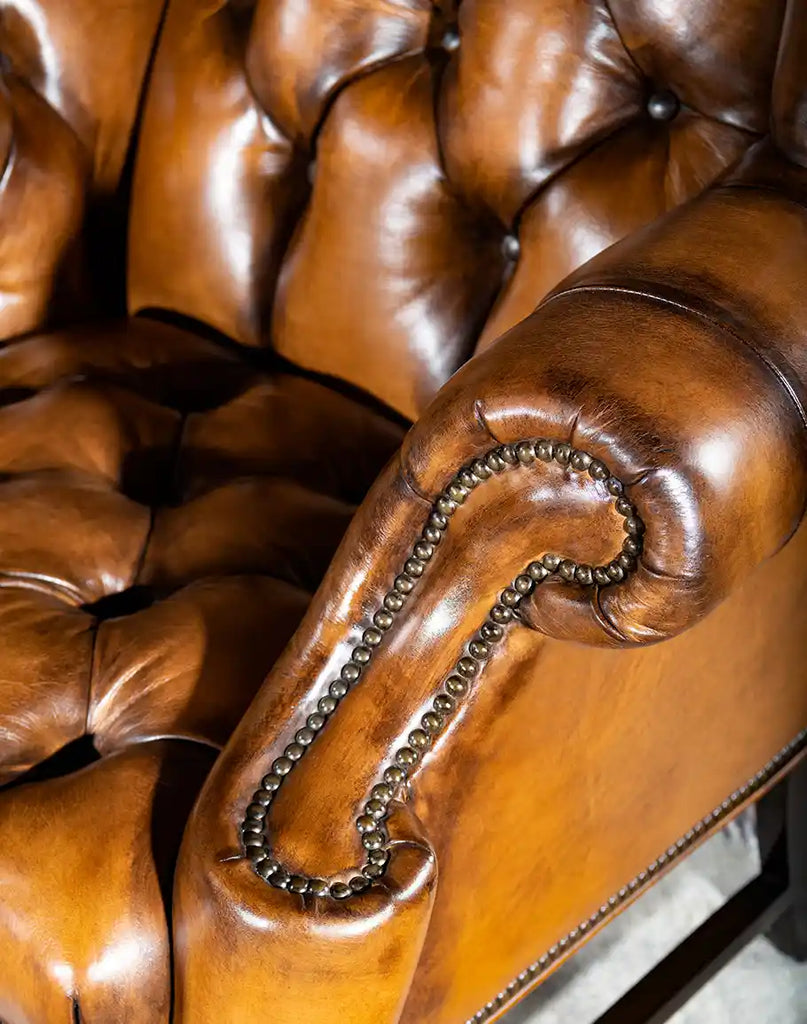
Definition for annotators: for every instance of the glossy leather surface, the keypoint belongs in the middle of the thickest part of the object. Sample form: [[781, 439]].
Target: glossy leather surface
[[552, 724], [336, 204], [400, 147], [70, 83], [155, 559]]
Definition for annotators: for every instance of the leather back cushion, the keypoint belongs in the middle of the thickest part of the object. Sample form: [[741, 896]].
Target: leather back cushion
[[376, 187], [70, 80]]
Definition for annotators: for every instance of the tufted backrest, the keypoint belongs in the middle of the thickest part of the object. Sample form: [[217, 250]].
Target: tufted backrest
[[71, 76], [375, 188]]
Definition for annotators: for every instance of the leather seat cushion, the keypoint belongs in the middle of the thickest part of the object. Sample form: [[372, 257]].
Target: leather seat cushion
[[166, 511]]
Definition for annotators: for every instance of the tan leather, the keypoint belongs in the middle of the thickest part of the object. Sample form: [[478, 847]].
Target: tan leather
[[71, 82], [103, 843], [552, 724], [243, 247], [148, 629], [401, 149]]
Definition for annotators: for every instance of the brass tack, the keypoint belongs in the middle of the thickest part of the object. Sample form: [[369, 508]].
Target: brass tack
[[373, 840], [580, 460], [446, 505], [456, 686], [394, 775], [566, 569], [524, 584], [501, 614], [419, 739], [393, 602], [431, 721], [525, 452], [406, 757]]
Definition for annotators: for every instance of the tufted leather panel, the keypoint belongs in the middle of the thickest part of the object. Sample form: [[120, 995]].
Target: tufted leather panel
[[663, 373], [376, 189], [70, 84], [355, 196], [156, 557]]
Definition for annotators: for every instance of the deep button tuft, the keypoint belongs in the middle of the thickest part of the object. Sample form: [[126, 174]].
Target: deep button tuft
[[663, 105], [451, 39], [511, 247]]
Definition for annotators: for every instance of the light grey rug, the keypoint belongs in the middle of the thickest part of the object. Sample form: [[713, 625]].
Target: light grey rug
[[760, 986]]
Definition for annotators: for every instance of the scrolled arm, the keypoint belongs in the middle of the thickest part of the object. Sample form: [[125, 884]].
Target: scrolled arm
[[605, 473], [678, 358]]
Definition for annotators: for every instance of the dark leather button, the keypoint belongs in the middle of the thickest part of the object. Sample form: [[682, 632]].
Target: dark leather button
[[663, 105], [450, 40], [511, 247]]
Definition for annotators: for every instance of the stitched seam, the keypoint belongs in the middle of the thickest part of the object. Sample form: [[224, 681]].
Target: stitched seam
[[720, 325], [763, 191], [608, 10], [684, 307]]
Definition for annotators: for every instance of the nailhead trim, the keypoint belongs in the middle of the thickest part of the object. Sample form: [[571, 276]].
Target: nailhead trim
[[527, 978], [371, 824]]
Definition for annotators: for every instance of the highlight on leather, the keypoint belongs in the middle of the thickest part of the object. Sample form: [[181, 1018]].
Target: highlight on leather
[[371, 824], [569, 943]]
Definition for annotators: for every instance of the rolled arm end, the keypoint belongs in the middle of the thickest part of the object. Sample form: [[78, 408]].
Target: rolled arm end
[[696, 439]]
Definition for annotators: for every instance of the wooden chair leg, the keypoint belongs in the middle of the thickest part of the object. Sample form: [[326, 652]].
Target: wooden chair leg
[[784, 811], [774, 904]]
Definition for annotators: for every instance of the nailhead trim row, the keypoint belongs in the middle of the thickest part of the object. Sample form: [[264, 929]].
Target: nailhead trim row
[[370, 824], [673, 853]]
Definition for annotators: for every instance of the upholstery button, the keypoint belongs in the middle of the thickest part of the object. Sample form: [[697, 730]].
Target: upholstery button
[[511, 247], [663, 105], [450, 40]]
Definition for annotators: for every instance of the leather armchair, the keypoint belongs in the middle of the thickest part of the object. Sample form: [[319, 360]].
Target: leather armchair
[[424, 719]]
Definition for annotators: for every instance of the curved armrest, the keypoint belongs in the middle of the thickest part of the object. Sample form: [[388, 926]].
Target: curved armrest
[[605, 473], [678, 359]]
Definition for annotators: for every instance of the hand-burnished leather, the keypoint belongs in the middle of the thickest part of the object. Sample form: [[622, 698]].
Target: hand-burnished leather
[[157, 554], [245, 245]]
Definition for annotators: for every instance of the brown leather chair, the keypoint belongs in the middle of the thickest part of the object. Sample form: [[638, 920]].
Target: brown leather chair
[[471, 750]]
